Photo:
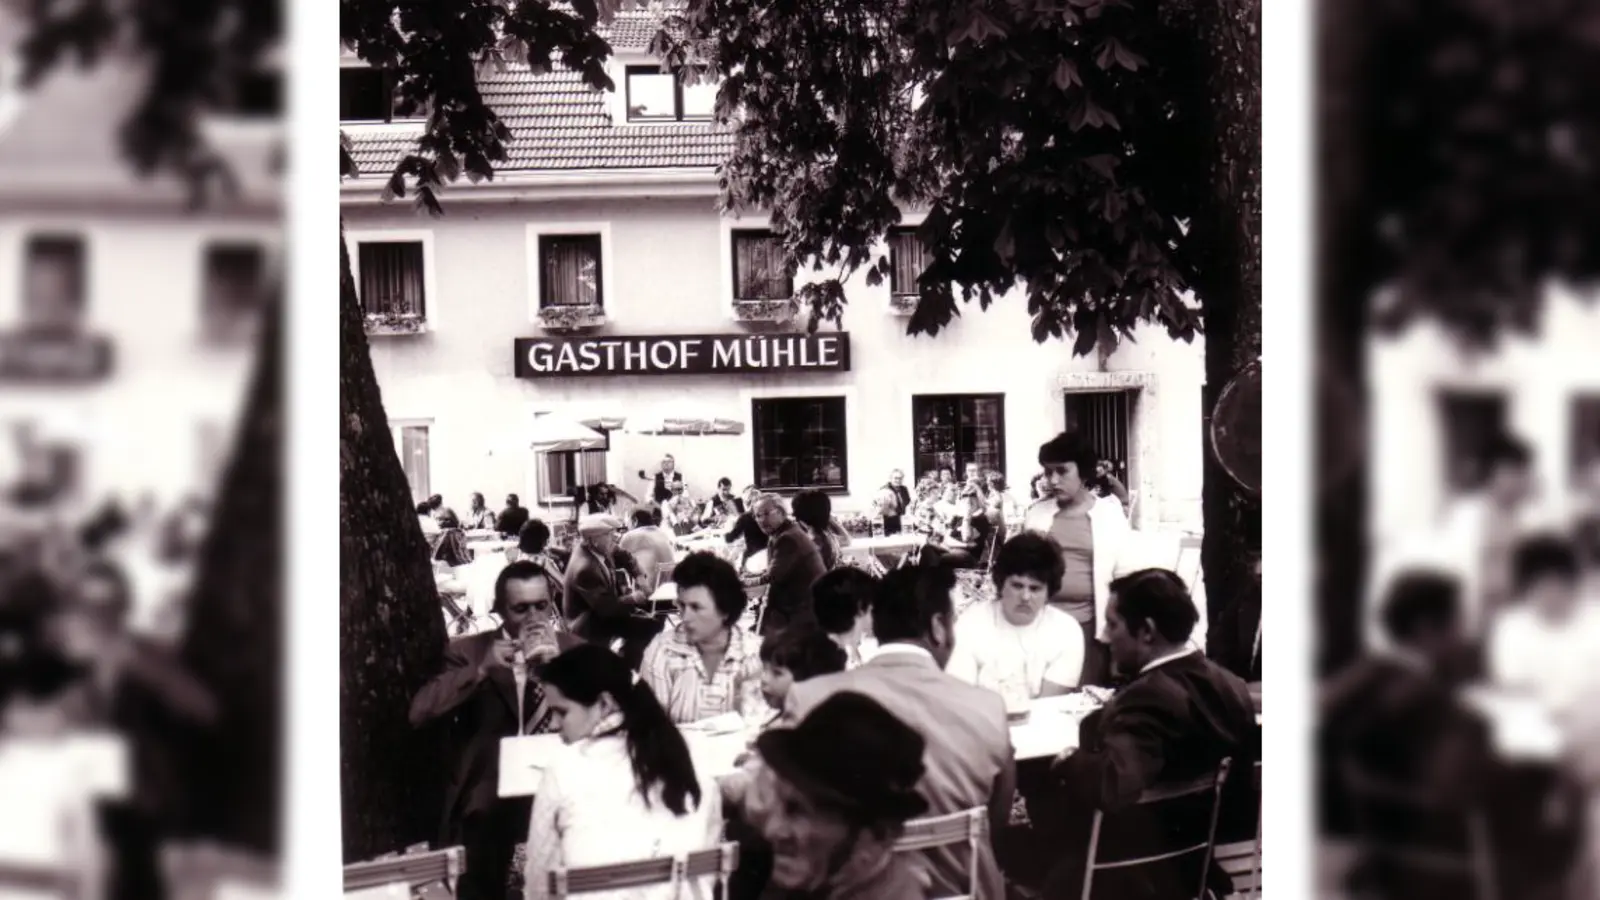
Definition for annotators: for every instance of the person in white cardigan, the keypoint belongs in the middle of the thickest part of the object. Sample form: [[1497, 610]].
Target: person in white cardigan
[[1093, 533]]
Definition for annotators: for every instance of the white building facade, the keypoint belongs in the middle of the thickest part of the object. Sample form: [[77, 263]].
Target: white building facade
[[1434, 401], [127, 318], [603, 229]]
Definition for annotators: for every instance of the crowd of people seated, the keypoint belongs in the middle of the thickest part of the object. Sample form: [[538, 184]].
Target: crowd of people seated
[[872, 700], [1503, 602]]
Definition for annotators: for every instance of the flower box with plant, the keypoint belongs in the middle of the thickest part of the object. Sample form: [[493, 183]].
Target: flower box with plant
[[856, 525], [903, 304], [395, 323], [571, 318], [765, 310]]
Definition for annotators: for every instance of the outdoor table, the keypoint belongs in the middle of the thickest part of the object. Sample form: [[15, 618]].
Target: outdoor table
[[484, 547]]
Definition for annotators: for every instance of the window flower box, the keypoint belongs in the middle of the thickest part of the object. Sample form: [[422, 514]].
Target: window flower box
[[395, 323], [571, 318], [773, 311], [903, 304]]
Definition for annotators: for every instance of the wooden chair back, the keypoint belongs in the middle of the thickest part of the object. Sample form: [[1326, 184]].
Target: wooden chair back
[[718, 862], [968, 826], [413, 869], [1374, 799], [1204, 844]]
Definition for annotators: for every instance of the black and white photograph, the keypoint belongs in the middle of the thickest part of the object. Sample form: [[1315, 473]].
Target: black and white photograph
[[800, 450], [1457, 465]]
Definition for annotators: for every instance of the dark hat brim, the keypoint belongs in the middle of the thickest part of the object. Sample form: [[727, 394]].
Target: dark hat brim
[[781, 753]]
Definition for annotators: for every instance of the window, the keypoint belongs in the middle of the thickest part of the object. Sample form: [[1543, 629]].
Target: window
[[368, 94], [54, 285], [1585, 435], [570, 271], [390, 278], [1104, 419], [234, 281], [657, 96], [800, 443], [908, 257], [561, 473], [412, 444], [759, 272], [1469, 421], [953, 430]]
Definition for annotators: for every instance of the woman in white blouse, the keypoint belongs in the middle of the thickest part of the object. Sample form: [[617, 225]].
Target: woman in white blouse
[[1545, 645], [1018, 645], [625, 788]]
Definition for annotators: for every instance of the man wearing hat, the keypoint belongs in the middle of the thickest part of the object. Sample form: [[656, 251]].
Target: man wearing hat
[[840, 787], [599, 608]]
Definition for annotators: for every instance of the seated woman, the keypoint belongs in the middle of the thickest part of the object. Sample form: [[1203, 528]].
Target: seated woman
[[842, 600], [626, 789], [1018, 645], [814, 511], [707, 665]]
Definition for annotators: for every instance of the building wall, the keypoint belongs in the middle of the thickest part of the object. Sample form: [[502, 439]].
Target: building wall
[[665, 270], [1539, 376], [171, 392]]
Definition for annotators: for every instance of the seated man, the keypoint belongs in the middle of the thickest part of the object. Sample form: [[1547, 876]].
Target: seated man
[[649, 544], [1396, 717], [1178, 717], [599, 605], [842, 602], [477, 695], [1018, 645]]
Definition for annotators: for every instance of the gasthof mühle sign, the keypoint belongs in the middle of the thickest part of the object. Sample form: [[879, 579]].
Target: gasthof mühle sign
[[681, 354]]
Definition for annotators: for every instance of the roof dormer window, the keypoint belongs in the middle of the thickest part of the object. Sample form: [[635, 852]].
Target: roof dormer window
[[657, 96], [371, 94]]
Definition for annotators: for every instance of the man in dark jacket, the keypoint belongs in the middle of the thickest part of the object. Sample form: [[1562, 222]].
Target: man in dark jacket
[[1178, 717], [894, 515], [793, 565], [600, 607], [512, 518], [477, 695]]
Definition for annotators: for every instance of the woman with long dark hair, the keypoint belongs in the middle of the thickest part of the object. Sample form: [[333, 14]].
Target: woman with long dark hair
[[626, 788]]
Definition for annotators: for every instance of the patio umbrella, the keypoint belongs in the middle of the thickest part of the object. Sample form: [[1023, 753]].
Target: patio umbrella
[[598, 417], [683, 418], [550, 433]]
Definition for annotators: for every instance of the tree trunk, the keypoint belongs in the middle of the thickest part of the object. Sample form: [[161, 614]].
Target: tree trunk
[[234, 639], [1346, 257], [392, 633], [1230, 36]]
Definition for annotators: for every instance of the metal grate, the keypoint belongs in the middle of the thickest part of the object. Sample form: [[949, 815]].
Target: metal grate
[[1105, 420]]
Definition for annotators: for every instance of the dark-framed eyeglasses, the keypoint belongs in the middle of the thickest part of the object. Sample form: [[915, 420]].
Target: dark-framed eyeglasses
[[540, 606]]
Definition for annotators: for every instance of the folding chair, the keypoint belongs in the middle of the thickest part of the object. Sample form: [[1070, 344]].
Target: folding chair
[[968, 826], [1374, 800], [1209, 784], [413, 869], [718, 861], [756, 594]]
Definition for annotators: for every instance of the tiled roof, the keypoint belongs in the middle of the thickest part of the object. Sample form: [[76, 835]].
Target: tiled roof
[[558, 122]]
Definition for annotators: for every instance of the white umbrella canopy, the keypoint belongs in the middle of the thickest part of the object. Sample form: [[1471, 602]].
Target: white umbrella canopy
[[683, 417], [597, 416], [550, 433]]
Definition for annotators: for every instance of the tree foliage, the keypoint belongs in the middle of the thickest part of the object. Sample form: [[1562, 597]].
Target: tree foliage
[[1058, 147], [438, 48], [1476, 125]]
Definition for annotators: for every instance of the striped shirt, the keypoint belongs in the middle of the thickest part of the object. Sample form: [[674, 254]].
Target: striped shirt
[[676, 672]]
